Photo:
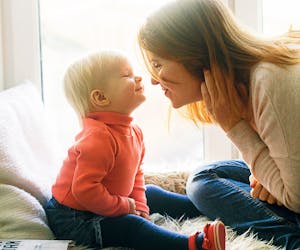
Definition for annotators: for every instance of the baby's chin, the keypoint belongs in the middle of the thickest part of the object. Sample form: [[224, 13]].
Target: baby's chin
[[142, 100]]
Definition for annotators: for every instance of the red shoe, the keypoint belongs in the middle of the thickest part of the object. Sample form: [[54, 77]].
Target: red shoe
[[214, 236]]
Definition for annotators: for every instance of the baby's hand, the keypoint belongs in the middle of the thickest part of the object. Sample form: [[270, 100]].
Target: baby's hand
[[258, 191], [131, 206], [143, 214]]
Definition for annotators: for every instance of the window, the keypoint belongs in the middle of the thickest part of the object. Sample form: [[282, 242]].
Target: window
[[73, 28], [280, 16], [61, 46]]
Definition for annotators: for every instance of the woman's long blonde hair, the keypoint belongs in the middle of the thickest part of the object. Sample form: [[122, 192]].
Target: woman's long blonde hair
[[203, 34]]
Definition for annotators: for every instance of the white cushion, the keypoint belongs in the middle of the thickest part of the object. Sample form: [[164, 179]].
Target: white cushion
[[22, 216], [28, 157]]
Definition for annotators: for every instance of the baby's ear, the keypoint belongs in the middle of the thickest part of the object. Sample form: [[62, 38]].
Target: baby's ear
[[98, 99]]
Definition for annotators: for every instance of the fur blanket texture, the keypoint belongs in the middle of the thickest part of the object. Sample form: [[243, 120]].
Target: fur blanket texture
[[175, 182]]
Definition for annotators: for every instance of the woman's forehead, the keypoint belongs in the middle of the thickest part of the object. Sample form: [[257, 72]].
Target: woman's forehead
[[153, 57]]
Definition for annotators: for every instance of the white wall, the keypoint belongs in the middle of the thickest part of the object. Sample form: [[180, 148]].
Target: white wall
[[1, 49], [19, 51], [249, 13]]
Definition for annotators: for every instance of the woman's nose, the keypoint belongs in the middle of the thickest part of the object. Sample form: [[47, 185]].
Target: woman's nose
[[154, 82]]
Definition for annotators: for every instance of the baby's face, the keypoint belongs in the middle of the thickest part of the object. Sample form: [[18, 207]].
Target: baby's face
[[124, 89]]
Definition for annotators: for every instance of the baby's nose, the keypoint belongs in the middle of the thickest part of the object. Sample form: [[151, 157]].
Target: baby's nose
[[138, 78]]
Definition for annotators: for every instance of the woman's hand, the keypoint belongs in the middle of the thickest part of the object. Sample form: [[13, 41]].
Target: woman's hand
[[258, 191], [216, 99]]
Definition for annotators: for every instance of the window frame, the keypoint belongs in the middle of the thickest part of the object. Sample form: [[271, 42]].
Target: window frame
[[21, 57]]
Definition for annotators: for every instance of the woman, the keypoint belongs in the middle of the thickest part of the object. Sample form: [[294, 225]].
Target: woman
[[219, 73]]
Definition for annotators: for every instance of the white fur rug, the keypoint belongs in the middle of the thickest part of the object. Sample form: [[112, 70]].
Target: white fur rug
[[233, 241], [175, 181]]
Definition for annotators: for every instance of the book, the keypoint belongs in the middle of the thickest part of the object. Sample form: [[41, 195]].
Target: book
[[34, 244]]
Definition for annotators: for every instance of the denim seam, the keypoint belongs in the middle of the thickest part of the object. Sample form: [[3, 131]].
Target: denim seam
[[97, 226], [253, 201]]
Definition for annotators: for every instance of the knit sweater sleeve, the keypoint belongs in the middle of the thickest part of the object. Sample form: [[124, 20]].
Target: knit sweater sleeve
[[272, 151]]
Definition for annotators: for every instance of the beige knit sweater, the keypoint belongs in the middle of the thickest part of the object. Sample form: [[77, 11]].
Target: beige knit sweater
[[273, 150]]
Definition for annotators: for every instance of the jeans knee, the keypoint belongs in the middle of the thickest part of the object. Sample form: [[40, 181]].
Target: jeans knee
[[152, 190], [205, 177], [151, 187], [200, 185]]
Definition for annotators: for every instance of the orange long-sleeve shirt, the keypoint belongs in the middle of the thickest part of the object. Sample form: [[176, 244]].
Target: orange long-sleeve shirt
[[103, 167]]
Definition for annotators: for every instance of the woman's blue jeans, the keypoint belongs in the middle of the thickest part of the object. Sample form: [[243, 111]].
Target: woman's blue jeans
[[221, 190]]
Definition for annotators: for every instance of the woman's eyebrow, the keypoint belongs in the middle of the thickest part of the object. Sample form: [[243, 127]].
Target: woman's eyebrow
[[154, 61]]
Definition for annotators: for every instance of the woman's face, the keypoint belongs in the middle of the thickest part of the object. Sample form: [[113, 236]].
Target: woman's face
[[180, 86]]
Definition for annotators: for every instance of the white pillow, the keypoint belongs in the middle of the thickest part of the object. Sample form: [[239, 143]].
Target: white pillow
[[22, 216], [28, 156]]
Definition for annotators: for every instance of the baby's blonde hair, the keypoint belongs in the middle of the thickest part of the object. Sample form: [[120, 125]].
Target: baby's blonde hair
[[86, 74]]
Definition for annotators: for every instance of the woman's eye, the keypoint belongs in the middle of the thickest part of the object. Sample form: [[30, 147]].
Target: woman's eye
[[156, 65]]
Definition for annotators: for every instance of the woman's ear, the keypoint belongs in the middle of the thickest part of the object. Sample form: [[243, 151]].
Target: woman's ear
[[98, 99]]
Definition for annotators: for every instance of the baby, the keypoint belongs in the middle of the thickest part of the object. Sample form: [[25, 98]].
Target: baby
[[98, 198]]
